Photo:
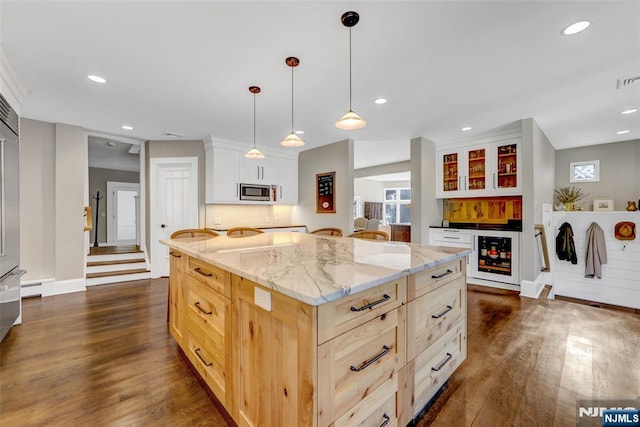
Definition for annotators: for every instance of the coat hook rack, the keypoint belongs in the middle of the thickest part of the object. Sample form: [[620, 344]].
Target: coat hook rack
[[97, 198]]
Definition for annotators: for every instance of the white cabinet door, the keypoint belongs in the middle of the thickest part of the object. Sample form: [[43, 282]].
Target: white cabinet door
[[258, 171], [507, 167], [222, 175], [476, 170], [449, 173], [287, 182]]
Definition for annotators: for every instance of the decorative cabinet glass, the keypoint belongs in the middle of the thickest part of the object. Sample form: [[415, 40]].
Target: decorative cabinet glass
[[507, 166], [480, 170]]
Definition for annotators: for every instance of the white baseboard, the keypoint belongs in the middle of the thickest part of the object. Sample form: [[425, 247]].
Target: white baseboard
[[68, 286], [37, 287]]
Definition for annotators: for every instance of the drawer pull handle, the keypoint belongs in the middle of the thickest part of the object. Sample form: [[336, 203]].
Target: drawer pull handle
[[173, 254], [385, 350], [197, 351], [204, 273], [385, 297], [440, 276], [386, 420], [439, 315], [440, 366], [452, 237], [197, 304]]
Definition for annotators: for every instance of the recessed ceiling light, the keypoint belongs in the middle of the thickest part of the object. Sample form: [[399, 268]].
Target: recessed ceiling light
[[629, 111], [380, 101], [125, 127], [299, 132], [96, 79], [622, 132], [466, 128], [111, 143], [576, 28]]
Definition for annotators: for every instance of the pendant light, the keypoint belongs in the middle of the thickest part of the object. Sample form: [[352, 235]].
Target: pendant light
[[254, 153], [292, 140], [350, 120]]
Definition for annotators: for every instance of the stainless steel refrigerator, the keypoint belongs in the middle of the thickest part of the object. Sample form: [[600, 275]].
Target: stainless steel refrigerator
[[10, 271]]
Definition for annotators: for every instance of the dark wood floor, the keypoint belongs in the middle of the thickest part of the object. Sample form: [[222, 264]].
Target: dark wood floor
[[105, 357]]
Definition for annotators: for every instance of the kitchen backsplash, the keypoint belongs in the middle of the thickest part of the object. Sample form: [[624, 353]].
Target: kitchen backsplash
[[217, 216], [483, 210]]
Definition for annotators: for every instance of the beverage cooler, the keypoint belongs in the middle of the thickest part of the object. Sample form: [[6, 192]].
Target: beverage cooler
[[495, 256]]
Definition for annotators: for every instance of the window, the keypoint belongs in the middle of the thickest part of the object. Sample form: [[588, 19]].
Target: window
[[588, 171], [397, 204]]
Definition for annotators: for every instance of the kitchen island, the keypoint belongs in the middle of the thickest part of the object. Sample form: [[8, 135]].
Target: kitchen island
[[299, 329]]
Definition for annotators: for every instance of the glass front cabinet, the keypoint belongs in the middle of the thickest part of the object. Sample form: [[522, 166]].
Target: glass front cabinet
[[480, 170]]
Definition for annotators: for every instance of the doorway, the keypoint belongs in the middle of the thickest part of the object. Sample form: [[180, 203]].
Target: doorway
[[174, 204], [123, 213]]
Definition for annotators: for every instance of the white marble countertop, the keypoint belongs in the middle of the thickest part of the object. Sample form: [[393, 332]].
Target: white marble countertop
[[315, 269]]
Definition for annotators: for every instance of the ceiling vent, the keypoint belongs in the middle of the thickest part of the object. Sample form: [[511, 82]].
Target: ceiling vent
[[174, 134], [622, 83], [135, 149]]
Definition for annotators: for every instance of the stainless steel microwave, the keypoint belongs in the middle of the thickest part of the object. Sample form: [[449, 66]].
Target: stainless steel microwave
[[255, 192]]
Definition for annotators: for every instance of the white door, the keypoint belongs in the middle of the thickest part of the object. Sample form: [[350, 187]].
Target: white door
[[122, 213], [174, 204]]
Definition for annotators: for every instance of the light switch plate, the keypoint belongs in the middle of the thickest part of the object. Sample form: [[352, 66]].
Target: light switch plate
[[262, 298]]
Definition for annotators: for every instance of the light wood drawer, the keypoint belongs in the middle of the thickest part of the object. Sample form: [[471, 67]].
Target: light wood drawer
[[432, 315], [352, 365], [380, 407], [339, 316], [208, 310], [204, 359], [431, 369], [431, 279], [207, 274]]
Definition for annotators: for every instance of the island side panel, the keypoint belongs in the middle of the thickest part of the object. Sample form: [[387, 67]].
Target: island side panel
[[276, 353]]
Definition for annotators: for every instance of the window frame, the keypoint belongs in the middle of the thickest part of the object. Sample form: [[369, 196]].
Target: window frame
[[397, 202], [596, 174]]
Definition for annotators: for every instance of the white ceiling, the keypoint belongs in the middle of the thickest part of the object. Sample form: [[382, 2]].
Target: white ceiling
[[110, 153], [185, 66]]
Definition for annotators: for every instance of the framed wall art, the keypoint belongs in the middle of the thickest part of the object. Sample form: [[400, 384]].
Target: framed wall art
[[326, 192], [602, 204]]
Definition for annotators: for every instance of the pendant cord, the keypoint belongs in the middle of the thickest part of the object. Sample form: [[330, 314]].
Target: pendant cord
[[292, 99], [254, 120], [349, 68]]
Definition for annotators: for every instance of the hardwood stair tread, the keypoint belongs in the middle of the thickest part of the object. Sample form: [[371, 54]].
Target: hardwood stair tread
[[116, 273]]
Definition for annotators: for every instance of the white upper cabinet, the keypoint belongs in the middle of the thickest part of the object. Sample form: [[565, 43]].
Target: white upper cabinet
[[222, 175], [491, 169], [287, 190], [257, 171], [227, 168]]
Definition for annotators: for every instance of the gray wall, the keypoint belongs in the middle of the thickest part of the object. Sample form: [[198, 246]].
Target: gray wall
[[37, 199], [619, 171], [69, 202], [336, 157], [98, 178], [538, 180], [187, 148], [425, 208]]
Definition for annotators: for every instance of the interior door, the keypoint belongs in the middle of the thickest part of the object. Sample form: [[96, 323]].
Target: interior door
[[174, 192], [122, 211]]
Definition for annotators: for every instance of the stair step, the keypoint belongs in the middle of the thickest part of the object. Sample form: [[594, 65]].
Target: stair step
[[115, 257], [116, 273], [115, 266], [113, 262], [117, 278]]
